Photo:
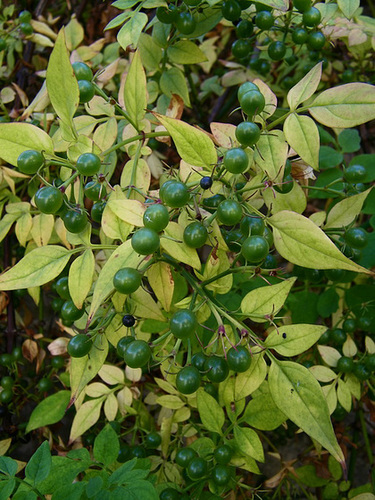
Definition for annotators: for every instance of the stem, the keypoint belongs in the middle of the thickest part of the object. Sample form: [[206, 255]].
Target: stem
[[134, 169], [324, 190], [283, 117], [365, 437], [133, 139], [118, 108]]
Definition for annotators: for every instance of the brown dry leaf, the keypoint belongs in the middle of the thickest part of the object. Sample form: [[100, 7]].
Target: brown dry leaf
[[4, 300], [223, 134], [30, 350], [58, 346], [302, 172], [39, 360]]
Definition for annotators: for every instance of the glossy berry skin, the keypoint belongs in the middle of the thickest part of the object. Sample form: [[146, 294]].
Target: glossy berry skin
[[188, 380], [316, 41], [184, 456], [242, 48], [57, 362], [370, 362], [231, 10], [337, 337], [185, 23], [217, 369], [264, 20], [79, 346], [277, 50], [254, 249], [62, 288], [223, 454], [269, 262], [206, 182], [97, 211], [302, 5], [123, 344], [86, 91], [195, 235], [244, 29], [137, 354], [198, 360], [349, 325], [221, 475], [252, 102], [44, 384], [229, 212], [311, 17], [364, 323], [24, 16], [183, 323], [170, 494], [251, 225], [3, 44], [152, 440], [145, 241], [156, 217], [7, 382], [128, 320], [246, 87], [75, 221], [26, 29], [300, 36], [30, 161], [88, 164], [165, 15], [94, 191], [127, 280], [70, 312], [236, 161], [247, 133], [345, 364], [174, 194], [82, 71], [355, 173], [139, 452], [48, 199], [335, 274], [197, 468], [213, 201], [238, 359], [124, 454], [6, 396], [361, 371], [356, 237]]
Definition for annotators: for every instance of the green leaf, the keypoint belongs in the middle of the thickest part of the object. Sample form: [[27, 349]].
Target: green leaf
[[266, 301], [307, 475], [305, 87], [262, 413], [63, 472], [345, 106], [6, 223], [135, 95], [185, 52], [86, 416], [150, 51], [172, 81], [300, 241], [106, 446], [349, 140], [84, 369], [295, 200], [121, 475], [271, 154], [38, 267], [39, 465], [116, 21], [6, 488], [123, 256], [8, 466], [15, 138], [298, 394], [248, 443], [81, 274], [192, 144], [70, 492], [136, 490], [302, 134], [346, 211], [329, 158], [130, 32], [49, 411], [25, 495], [61, 82], [249, 381], [348, 7], [211, 414], [328, 303], [291, 340]]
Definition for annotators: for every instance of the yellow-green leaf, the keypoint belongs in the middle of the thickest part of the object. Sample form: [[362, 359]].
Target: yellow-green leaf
[[36, 268], [135, 95], [298, 394], [172, 81], [87, 415], [266, 300], [15, 138], [345, 106], [300, 241], [178, 249], [185, 52], [170, 401], [271, 154], [81, 274], [295, 200], [130, 32], [249, 443], [249, 381], [291, 340], [262, 413], [161, 280], [42, 228], [130, 211], [345, 211], [305, 87], [348, 8], [302, 134], [192, 144], [62, 85], [145, 306], [211, 414]]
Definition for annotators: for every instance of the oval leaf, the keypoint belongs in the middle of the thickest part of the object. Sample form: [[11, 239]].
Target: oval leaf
[[302, 134], [305, 87], [291, 340], [211, 414], [49, 411]]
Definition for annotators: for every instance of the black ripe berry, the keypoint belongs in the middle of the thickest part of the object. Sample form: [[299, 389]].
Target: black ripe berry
[[128, 320]]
